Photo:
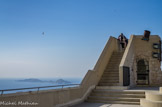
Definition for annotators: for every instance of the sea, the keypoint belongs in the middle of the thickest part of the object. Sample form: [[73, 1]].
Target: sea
[[13, 83]]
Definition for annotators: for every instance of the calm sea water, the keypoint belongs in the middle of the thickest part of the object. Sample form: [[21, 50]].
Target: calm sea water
[[12, 83]]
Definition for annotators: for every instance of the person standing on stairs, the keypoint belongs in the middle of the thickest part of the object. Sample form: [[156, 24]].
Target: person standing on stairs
[[123, 40]]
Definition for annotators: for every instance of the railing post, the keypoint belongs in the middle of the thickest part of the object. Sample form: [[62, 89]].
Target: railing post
[[2, 93], [38, 90]]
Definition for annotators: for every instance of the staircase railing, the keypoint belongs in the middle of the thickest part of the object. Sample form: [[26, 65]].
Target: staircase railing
[[38, 88]]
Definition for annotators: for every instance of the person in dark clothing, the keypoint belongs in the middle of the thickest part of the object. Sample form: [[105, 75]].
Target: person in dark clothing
[[123, 40]]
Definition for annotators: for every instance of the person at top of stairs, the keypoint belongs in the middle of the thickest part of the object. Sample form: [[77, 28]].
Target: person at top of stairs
[[123, 40]]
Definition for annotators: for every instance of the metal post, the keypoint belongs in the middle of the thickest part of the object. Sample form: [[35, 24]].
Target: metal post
[[2, 93], [38, 90]]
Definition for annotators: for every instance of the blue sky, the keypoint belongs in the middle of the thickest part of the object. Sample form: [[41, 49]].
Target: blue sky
[[75, 33]]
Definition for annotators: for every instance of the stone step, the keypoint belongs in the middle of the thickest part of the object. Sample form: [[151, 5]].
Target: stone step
[[114, 98], [108, 84], [111, 74], [110, 78], [112, 88], [115, 54], [112, 69], [118, 53], [115, 60], [118, 91], [116, 57], [109, 81], [106, 70], [113, 63], [113, 102], [118, 95]]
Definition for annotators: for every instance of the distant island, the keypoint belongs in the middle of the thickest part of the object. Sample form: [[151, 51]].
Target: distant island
[[59, 81]]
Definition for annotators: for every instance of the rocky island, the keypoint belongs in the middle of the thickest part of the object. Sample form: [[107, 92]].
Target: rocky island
[[59, 81]]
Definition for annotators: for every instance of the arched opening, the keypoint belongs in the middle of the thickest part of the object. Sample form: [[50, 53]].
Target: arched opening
[[142, 72]]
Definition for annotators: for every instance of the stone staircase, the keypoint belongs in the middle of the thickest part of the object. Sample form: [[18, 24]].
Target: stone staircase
[[110, 76], [108, 89], [116, 96]]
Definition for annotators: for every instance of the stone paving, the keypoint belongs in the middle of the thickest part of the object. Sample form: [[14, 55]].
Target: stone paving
[[86, 104]]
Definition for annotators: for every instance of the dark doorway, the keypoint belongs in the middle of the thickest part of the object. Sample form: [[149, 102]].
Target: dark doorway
[[142, 72], [126, 76]]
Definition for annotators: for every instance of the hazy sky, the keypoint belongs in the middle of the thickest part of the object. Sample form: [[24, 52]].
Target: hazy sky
[[75, 33]]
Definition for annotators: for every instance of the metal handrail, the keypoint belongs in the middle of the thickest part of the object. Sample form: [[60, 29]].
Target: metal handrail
[[62, 86]]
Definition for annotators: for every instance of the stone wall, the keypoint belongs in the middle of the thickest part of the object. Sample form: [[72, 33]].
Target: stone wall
[[127, 60], [136, 50], [143, 50]]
